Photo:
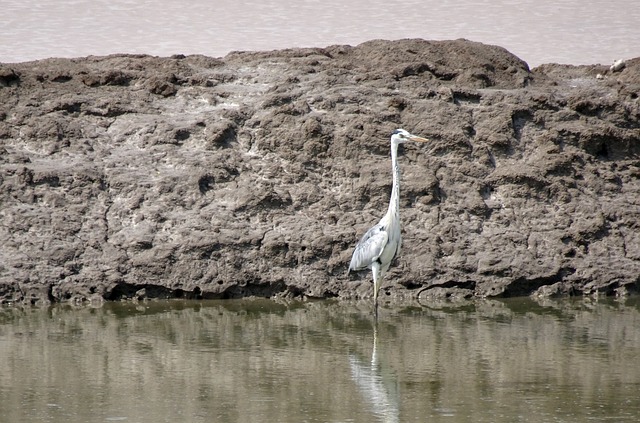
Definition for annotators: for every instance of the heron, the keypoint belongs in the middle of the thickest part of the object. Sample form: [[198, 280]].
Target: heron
[[381, 244]]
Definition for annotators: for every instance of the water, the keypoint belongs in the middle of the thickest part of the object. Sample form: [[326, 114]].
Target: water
[[537, 31], [257, 360]]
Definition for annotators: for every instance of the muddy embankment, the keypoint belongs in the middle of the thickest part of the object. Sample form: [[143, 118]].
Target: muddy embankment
[[255, 174]]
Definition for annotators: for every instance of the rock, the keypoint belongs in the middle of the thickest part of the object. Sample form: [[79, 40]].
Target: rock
[[618, 65], [8, 77], [143, 177]]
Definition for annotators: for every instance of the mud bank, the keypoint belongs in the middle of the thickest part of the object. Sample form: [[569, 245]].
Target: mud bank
[[256, 173]]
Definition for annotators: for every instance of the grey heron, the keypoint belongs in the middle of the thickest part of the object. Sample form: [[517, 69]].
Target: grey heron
[[381, 244]]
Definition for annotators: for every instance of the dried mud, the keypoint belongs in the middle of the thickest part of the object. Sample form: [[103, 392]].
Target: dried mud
[[255, 174]]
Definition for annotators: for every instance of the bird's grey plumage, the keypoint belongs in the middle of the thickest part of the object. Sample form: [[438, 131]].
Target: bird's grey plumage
[[369, 248], [381, 243]]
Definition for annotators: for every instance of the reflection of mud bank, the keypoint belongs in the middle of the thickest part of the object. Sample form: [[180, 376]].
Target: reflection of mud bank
[[134, 176], [231, 361]]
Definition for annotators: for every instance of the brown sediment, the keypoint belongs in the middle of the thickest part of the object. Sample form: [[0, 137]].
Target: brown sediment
[[255, 174]]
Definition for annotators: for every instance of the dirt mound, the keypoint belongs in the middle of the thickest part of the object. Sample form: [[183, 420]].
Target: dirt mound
[[135, 176]]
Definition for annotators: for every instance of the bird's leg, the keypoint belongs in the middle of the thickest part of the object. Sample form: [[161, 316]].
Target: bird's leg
[[375, 269]]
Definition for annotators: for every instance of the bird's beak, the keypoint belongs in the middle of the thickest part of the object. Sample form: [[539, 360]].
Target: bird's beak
[[419, 139]]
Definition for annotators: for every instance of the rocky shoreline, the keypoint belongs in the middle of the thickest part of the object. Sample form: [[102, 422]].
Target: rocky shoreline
[[131, 176]]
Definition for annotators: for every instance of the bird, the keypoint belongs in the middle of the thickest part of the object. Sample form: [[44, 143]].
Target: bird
[[381, 244]]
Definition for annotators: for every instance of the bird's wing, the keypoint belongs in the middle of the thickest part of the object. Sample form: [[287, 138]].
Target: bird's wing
[[369, 248]]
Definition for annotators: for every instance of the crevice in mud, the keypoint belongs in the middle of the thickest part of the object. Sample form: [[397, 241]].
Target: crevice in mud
[[615, 287], [461, 96], [519, 119], [522, 286], [264, 290], [469, 285], [123, 291], [127, 291]]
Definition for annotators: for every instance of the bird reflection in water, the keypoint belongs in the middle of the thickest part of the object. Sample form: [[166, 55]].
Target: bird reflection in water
[[379, 391]]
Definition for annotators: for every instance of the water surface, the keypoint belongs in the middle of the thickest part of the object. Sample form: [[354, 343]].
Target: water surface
[[537, 31], [257, 360]]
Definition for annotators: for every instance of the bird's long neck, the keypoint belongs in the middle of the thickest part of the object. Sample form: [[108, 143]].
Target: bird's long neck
[[394, 201]]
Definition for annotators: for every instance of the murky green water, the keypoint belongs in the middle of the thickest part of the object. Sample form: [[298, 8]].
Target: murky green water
[[256, 360]]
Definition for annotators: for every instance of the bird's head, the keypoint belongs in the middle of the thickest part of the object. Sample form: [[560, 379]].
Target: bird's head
[[400, 135]]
